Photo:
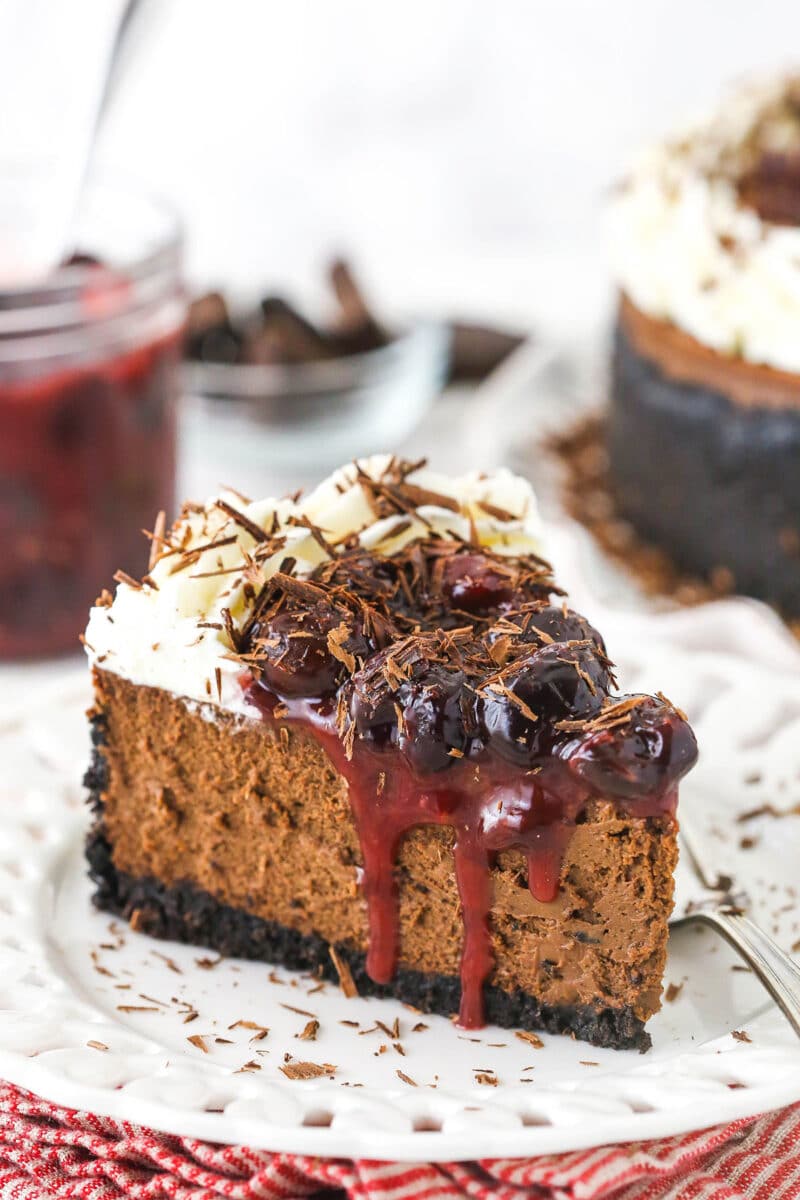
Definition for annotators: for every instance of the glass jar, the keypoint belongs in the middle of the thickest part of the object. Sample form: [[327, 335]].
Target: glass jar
[[89, 377]]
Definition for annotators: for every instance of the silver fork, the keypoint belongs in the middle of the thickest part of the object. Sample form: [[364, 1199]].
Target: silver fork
[[715, 905]]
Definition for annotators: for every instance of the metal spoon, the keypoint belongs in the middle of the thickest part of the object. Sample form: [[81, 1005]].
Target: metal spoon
[[715, 903]]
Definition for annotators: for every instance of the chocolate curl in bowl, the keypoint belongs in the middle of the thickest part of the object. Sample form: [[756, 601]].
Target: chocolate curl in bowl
[[283, 335], [356, 329], [475, 350], [286, 336], [278, 334], [210, 334]]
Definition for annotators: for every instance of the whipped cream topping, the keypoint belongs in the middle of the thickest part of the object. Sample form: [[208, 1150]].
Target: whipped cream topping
[[169, 632], [685, 248]]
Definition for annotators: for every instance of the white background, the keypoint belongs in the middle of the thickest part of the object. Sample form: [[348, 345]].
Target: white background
[[459, 150]]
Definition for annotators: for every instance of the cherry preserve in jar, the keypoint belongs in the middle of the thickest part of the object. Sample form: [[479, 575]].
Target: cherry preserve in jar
[[89, 376]]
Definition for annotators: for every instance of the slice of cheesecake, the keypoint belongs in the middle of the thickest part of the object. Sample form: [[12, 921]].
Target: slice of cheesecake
[[362, 734]]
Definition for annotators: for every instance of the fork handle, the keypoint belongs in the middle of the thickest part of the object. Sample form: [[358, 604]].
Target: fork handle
[[776, 970]]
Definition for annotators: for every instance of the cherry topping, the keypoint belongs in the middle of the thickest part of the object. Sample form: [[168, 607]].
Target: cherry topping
[[475, 584], [648, 754], [372, 710], [297, 658], [559, 625], [560, 682], [432, 736], [421, 712]]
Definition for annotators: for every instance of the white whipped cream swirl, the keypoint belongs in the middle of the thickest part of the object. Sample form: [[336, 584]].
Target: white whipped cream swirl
[[686, 250]]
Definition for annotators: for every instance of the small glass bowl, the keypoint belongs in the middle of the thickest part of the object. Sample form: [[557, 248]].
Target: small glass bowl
[[259, 427]]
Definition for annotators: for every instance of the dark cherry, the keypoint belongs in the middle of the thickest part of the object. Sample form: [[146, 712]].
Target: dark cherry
[[474, 584], [372, 711], [560, 626], [297, 660], [559, 682], [433, 725], [421, 714], [647, 755], [507, 730]]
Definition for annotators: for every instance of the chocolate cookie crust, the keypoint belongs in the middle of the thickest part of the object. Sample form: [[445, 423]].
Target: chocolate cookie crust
[[185, 913], [228, 834]]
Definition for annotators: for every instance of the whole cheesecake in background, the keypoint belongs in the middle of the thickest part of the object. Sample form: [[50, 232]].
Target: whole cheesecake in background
[[362, 734], [704, 424]]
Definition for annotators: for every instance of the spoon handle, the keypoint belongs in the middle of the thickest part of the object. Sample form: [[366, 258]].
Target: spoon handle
[[776, 970]]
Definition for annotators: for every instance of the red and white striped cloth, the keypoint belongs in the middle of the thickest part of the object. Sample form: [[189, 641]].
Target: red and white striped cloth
[[47, 1151]]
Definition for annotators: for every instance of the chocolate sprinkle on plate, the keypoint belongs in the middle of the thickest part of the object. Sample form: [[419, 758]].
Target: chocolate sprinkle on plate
[[307, 1070]]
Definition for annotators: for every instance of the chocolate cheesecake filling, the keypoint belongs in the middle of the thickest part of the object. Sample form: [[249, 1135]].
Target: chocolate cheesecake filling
[[240, 836]]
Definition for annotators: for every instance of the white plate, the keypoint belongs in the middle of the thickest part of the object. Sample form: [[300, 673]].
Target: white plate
[[65, 970]]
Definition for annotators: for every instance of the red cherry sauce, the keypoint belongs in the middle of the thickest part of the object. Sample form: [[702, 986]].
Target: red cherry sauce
[[492, 805]]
